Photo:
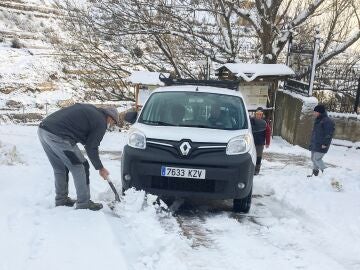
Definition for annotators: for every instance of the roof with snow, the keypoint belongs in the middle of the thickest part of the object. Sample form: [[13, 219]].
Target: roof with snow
[[249, 72], [146, 77]]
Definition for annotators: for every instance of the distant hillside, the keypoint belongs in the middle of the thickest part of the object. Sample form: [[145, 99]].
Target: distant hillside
[[32, 81]]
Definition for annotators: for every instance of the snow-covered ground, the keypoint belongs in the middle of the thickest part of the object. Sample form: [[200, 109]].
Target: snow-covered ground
[[295, 222]]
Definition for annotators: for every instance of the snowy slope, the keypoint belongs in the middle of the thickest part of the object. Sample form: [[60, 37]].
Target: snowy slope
[[295, 222], [31, 76]]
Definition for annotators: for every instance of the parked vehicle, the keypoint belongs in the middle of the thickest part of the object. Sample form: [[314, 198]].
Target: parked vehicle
[[191, 141]]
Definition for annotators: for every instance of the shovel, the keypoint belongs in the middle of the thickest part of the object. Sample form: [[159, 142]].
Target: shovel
[[117, 197]]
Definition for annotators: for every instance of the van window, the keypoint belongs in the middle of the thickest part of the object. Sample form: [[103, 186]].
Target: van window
[[189, 109]]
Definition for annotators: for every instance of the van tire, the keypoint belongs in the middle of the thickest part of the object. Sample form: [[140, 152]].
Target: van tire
[[242, 205]]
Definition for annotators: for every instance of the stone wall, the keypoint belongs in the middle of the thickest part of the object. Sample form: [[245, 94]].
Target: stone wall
[[294, 120], [347, 127]]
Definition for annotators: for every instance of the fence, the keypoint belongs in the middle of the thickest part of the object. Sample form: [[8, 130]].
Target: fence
[[338, 88]]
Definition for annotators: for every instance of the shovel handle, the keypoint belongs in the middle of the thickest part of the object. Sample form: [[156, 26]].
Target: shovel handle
[[117, 197]]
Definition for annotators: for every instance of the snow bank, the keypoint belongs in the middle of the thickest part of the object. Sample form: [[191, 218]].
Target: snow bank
[[344, 115]]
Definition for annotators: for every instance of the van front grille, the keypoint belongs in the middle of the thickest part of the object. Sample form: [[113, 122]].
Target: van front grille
[[183, 184]]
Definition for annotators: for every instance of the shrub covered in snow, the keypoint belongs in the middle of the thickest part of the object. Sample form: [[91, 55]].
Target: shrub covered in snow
[[16, 44]]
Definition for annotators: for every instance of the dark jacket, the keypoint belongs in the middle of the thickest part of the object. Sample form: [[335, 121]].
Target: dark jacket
[[322, 133], [261, 131], [79, 123]]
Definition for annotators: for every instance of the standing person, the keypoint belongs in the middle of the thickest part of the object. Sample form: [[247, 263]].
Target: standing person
[[321, 137], [59, 133], [261, 132]]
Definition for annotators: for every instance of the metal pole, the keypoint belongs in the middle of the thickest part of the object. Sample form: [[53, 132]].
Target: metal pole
[[136, 88], [357, 99], [314, 62], [208, 68]]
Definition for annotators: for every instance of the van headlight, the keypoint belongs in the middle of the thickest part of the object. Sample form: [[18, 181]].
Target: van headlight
[[239, 145], [137, 140]]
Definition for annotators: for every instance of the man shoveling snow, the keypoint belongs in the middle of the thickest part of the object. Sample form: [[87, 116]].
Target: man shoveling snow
[[59, 133]]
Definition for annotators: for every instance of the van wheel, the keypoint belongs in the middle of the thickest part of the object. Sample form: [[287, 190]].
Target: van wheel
[[242, 205]]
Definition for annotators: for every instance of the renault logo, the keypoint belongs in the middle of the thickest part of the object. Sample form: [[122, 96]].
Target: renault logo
[[185, 148]]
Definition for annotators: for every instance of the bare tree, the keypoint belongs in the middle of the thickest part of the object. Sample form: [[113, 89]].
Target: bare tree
[[175, 35], [88, 54]]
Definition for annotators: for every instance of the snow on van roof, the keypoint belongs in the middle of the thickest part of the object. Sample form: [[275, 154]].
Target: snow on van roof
[[249, 72], [200, 88], [146, 77]]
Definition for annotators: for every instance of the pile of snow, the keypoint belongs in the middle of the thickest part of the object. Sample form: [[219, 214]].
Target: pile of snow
[[9, 155], [154, 230]]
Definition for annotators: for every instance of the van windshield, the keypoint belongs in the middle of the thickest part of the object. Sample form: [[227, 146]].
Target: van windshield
[[199, 109]]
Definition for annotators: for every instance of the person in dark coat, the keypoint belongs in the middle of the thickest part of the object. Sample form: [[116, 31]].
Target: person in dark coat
[[261, 132], [59, 133], [321, 137]]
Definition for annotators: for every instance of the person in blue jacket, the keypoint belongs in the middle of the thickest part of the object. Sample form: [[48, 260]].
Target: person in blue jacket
[[321, 137]]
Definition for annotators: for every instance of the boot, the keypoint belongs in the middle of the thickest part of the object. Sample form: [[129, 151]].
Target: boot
[[257, 169], [67, 202], [90, 205], [316, 172]]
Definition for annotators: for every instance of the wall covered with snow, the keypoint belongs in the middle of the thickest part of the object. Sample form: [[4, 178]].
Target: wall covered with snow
[[294, 120], [347, 128]]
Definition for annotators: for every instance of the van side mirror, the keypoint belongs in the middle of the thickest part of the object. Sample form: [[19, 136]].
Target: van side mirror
[[130, 117]]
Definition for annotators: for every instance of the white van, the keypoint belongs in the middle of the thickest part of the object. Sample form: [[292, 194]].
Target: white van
[[191, 141]]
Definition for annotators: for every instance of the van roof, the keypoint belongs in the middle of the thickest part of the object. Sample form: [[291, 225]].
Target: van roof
[[198, 88]]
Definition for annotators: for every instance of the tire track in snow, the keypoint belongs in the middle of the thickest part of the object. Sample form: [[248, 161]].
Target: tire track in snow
[[272, 235]]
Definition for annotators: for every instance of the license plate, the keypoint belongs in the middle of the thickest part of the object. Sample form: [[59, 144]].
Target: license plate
[[182, 172]]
